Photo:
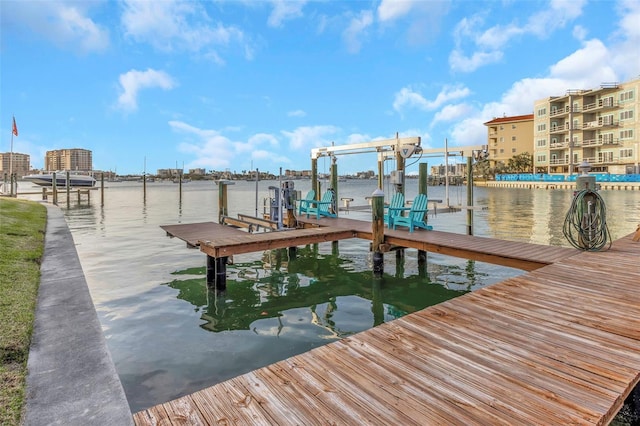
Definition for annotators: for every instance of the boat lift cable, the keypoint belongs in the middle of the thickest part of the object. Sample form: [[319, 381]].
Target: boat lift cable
[[585, 226]]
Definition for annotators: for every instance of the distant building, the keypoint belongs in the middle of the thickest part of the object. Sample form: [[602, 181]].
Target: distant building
[[168, 173], [508, 137], [197, 172], [74, 159], [20, 164], [598, 125]]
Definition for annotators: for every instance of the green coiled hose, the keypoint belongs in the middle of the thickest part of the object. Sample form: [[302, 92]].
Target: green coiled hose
[[585, 226]]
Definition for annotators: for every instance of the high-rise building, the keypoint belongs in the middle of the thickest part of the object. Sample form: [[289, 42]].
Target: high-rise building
[[508, 137], [600, 126], [20, 165], [74, 159]]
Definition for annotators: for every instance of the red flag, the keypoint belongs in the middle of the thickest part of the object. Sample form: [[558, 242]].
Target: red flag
[[15, 128]]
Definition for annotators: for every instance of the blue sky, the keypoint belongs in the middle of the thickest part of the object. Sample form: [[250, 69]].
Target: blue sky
[[241, 84]]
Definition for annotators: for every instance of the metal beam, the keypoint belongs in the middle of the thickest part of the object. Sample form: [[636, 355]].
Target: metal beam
[[357, 148]]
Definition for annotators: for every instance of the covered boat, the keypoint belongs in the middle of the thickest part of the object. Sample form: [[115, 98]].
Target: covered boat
[[75, 179]]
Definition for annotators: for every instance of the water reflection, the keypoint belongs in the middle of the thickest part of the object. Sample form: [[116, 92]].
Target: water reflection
[[321, 283]]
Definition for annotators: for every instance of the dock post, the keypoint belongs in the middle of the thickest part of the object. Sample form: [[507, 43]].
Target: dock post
[[102, 190], [314, 177], [221, 273], [217, 272], [334, 184], [222, 200], [377, 227], [469, 195], [69, 190], [144, 187], [44, 194], [423, 178], [54, 188], [293, 252]]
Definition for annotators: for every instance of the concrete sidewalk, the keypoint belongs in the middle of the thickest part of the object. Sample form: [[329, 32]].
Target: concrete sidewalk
[[71, 378]]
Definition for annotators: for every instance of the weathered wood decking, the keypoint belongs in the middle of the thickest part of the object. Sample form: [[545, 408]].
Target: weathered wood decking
[[219, 241], [559, 345]]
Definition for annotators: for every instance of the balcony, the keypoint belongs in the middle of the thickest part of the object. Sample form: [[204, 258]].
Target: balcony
[[559, 161]]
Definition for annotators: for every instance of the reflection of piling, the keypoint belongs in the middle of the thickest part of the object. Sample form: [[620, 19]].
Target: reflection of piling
[[102, 190], [144, 187], [377, 227]]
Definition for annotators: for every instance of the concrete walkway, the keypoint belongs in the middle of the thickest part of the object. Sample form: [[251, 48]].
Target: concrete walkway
[[71, 377]]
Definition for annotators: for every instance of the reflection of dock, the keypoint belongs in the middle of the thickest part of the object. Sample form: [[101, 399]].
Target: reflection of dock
[[556, 346]]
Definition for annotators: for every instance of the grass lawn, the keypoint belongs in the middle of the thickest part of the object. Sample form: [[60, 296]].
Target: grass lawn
[[22, 227]]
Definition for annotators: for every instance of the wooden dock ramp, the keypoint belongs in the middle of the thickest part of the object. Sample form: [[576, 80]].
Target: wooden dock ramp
[[557, 346]]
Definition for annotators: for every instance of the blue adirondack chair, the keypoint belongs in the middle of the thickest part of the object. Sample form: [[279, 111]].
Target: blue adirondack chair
[[304, 203], [322, 207], [394, 208], [416, 216]]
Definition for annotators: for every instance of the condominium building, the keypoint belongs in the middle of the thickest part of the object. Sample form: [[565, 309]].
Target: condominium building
[[508, 137], [20, 164], [74, 159], [598, 125]]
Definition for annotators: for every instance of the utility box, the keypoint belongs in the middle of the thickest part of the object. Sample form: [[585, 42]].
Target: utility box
[[396, 177]]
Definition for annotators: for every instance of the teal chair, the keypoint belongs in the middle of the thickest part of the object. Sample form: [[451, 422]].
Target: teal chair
[[304, 202], [416, 216], [323, 207], [394, 208]]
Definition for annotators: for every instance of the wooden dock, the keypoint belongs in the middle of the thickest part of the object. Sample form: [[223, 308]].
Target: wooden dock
[[559, 345], [218, 241]]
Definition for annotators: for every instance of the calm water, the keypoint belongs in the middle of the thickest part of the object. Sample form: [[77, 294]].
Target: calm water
[[169, 336]]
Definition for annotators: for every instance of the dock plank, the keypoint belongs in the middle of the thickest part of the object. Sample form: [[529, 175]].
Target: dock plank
[[558, 345]]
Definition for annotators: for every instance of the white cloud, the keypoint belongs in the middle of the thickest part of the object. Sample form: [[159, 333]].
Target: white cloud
[[133, 81], [575, 71], [66, 24], [452, 112], [459, 62], [407, 98], [285, 10], [488, 45], [179, 25], [213, 150], [308, 137], [297, 113], [390, 10], [357, 30]]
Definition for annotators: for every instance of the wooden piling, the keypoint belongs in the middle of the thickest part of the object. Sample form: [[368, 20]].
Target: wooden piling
[[54, 188], [469, 196], [102, 190], [377, 228], [423, 178], [222, 201]]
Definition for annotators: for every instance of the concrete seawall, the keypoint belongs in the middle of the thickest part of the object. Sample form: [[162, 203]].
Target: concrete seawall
[[71, 377]]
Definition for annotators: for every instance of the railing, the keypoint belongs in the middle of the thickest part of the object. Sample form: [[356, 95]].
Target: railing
[[543, 177]]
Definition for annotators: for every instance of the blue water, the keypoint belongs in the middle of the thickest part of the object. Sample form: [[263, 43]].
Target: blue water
[[169, 336]]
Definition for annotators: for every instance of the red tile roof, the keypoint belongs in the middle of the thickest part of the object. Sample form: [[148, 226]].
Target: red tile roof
[[510, 119]]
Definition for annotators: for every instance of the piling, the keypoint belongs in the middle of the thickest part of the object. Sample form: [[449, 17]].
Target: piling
[[377, 228], [102, 190], [222, 200], [423, 178], [469, 196], [69, 190], [54, 188]]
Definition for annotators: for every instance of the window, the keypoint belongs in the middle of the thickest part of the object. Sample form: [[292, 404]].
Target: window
[[501, 151], [541, 158], [626, 153], [513, 126], [501, 127], [605, 157], [626, 134], [513, 138], [542, 127], [513, 150], [501, 138], [626, 115], [542, 111], [626, 96], [541, 143]]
